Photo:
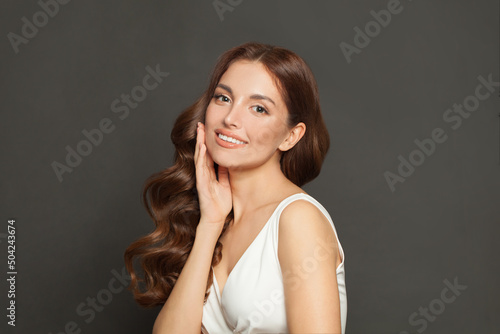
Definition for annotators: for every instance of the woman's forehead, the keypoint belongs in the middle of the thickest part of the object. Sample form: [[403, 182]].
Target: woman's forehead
[[251, 78]]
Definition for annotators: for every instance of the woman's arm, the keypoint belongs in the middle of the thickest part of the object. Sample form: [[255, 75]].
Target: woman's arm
[[309, 256], [182, 313]]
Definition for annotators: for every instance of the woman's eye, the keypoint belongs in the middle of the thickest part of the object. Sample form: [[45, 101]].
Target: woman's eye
[[221, 98], [259, 109]]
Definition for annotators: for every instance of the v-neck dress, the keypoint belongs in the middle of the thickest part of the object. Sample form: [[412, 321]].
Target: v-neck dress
[[252, 300]]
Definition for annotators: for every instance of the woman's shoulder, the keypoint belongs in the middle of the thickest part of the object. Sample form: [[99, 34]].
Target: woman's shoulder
[[303, 225], [297, 207], [302, 207]]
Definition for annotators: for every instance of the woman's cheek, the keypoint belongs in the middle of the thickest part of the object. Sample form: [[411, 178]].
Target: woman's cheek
[[265, 136]]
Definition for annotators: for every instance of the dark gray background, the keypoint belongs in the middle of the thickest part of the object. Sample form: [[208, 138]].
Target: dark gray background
[[400, 246]]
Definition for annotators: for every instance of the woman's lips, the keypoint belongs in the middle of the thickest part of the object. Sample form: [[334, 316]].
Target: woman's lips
[[229, 134], [226, 144]]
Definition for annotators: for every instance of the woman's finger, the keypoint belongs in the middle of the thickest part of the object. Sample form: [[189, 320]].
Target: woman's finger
[[207, 162], [197, 145], [199, 161]]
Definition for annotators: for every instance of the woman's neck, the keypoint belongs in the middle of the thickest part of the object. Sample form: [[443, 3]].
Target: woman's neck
[[256, 187]]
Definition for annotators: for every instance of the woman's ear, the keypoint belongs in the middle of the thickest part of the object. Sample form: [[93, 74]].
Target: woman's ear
[[294, 135]]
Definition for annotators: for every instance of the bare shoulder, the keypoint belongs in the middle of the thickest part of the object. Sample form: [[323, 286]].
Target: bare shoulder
[[302, 216], [302, 229]]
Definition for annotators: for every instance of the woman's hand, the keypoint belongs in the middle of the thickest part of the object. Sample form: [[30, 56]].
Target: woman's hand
[[214, 196]]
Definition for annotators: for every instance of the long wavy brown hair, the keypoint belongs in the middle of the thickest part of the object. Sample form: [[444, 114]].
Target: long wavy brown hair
[[170, 196]]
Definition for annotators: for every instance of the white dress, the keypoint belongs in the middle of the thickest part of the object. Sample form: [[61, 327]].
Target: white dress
[[253, 296]]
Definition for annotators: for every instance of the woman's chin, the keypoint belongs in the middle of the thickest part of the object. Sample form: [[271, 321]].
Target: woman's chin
[[226, 164], [219, 159], [228, 160], [222, 163]]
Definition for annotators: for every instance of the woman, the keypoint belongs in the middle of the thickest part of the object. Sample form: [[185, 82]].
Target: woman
[[238, 245]]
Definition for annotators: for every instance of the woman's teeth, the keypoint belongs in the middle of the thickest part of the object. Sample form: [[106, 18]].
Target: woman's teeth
[[229, 139]]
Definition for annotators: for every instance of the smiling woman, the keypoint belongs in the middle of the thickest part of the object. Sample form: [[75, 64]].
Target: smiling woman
[[238, 245]]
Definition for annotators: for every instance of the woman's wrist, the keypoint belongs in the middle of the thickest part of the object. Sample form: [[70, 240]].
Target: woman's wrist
[[210, 229]]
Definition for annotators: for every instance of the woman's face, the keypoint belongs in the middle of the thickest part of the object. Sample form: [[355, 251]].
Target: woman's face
[[247, 107]]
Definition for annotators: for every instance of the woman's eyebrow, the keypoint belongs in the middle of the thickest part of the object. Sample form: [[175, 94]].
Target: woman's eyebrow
[[262, 97], [225, 87], [253, 97]]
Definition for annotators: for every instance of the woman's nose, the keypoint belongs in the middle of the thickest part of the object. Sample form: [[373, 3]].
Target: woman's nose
[[233, 117]]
